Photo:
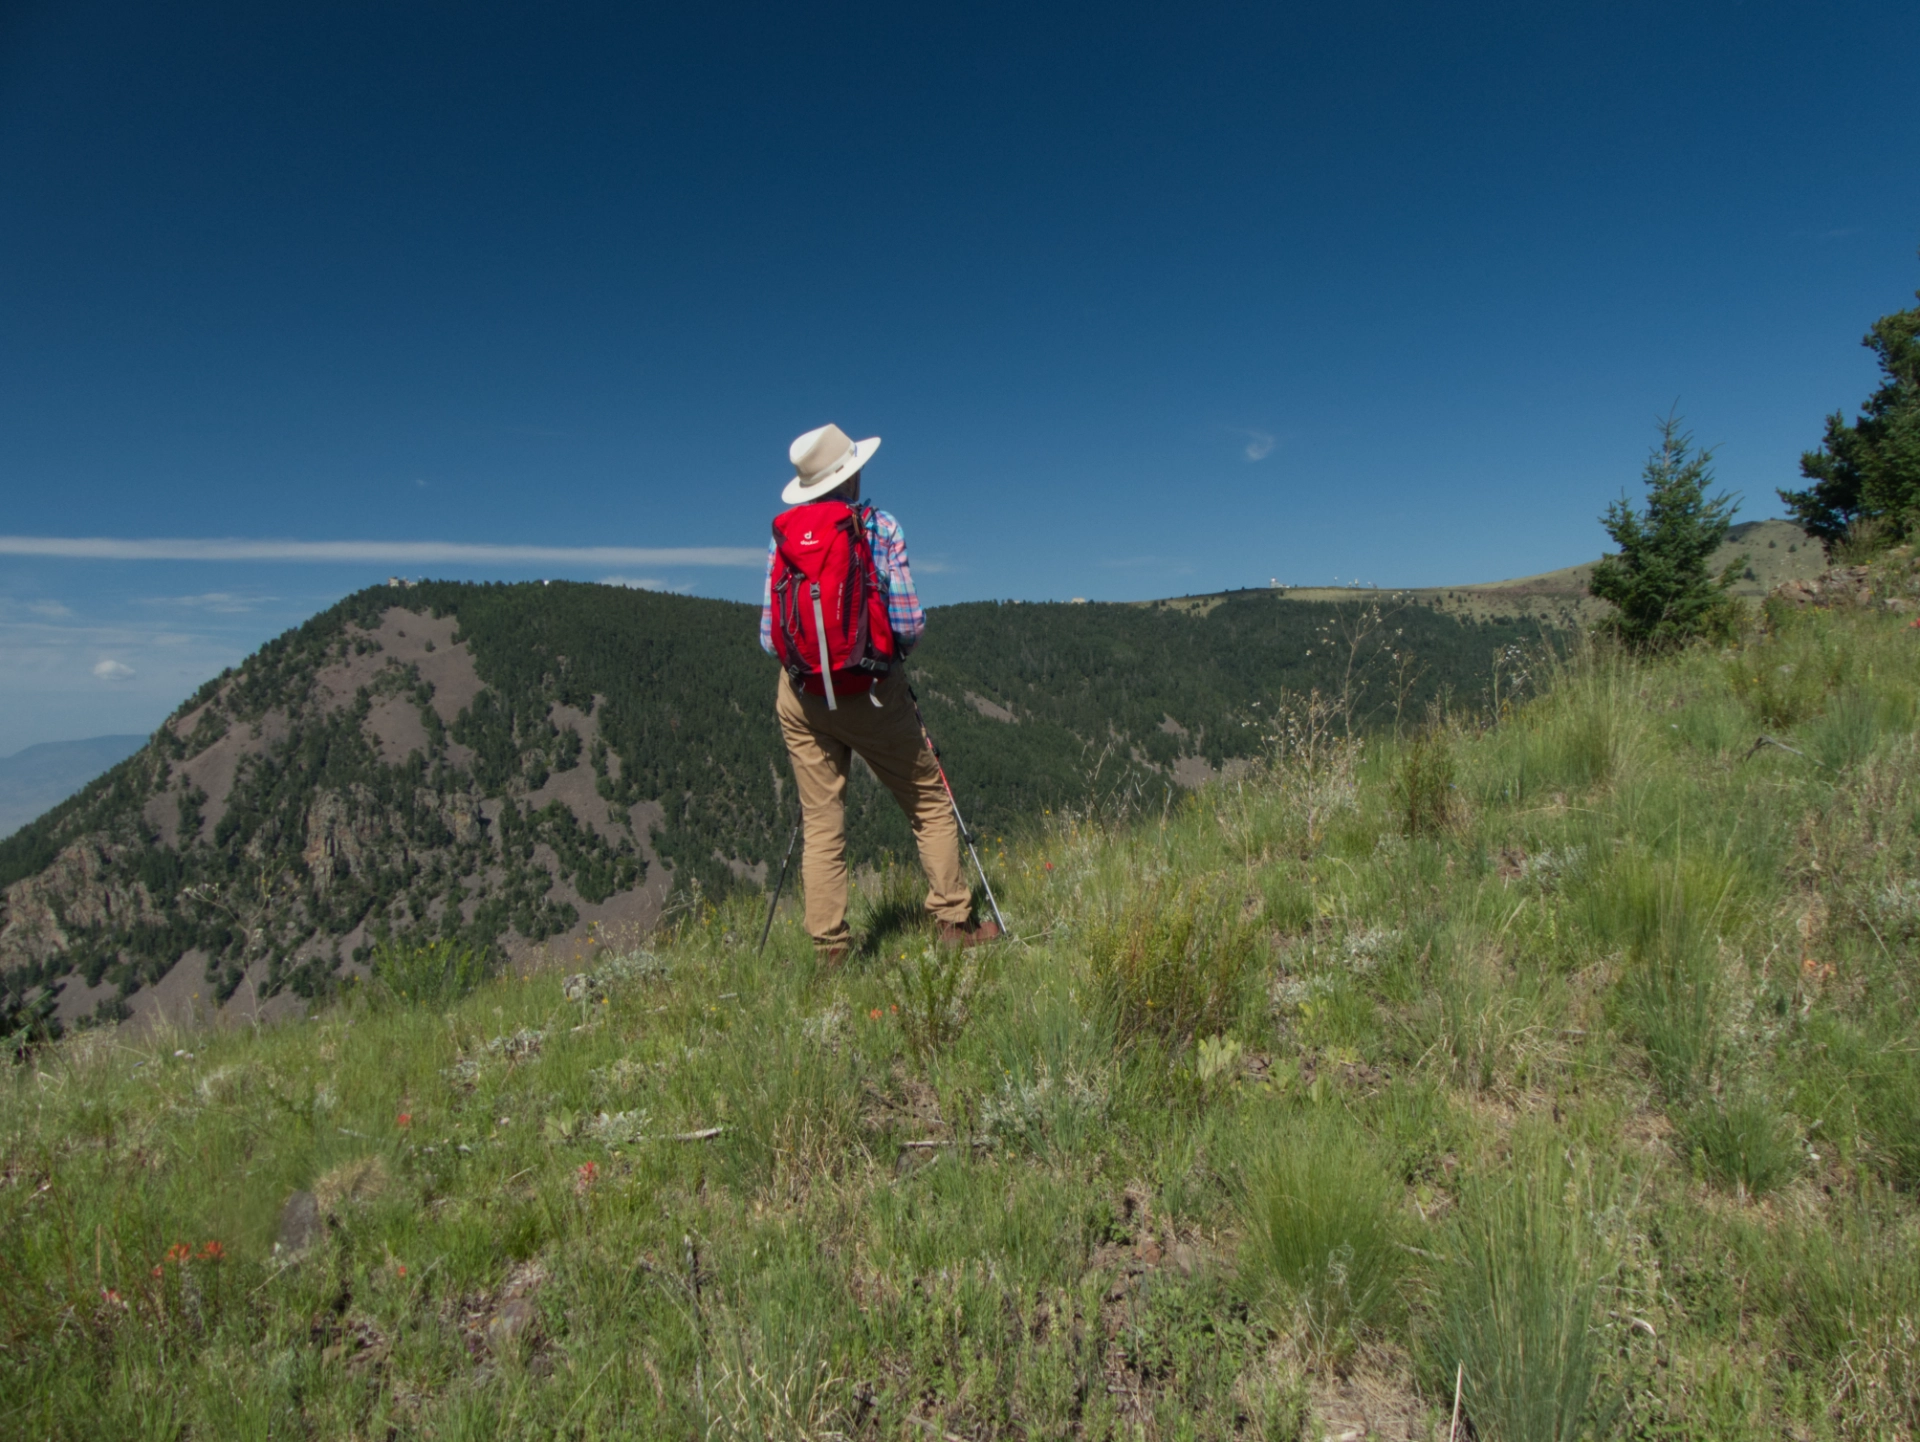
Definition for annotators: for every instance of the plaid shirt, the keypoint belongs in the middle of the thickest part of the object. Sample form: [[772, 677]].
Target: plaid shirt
[[889, 544]]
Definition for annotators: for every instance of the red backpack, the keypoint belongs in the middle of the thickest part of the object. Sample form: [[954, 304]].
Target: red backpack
[[830, 625]]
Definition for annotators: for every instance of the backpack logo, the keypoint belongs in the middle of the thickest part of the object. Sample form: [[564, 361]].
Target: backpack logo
[[808, 540]]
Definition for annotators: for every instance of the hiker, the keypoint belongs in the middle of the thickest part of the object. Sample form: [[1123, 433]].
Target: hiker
[[840, 614]]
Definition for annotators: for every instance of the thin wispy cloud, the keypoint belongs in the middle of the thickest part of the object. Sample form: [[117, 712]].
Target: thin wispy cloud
[[51, 610], [112, 670], [224, 602], [384, 553], [1259, 445], [641, 583]]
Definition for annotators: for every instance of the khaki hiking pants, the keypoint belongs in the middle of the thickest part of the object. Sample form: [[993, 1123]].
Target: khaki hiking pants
[[821, 744]]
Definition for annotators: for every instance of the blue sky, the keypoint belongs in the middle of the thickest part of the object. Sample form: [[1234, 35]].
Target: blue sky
[[1144, 300]]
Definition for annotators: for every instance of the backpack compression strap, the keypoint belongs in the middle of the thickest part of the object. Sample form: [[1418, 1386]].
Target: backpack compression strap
[[820, 631]]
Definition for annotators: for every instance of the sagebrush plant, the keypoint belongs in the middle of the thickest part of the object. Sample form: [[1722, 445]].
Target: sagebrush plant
[[698, 1191]]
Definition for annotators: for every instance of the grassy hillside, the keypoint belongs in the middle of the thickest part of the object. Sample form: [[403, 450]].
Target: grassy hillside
[[503, 766], [1571, 1059], [1775, 551]]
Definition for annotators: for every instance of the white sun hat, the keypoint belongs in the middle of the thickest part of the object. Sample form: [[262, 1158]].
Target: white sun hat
[[823, 460]]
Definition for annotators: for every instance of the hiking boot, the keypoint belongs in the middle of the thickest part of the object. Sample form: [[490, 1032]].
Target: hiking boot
[[832, 956], [970, 933]]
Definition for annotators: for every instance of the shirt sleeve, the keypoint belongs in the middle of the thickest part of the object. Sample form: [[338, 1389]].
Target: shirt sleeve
[[766, 605], [909, 622]]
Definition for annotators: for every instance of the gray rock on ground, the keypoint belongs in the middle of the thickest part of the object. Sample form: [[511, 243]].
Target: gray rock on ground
[[299, 1223]]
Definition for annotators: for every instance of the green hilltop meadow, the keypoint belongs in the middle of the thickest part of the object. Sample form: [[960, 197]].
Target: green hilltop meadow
[[1541, 1066]]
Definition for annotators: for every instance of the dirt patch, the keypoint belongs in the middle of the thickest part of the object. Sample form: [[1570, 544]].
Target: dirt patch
[[403, 638], [756, 873], [214, 769], [991, 710], [181, 998], [631, 913], [394, 725], [247, 1007], [1193, 772], [335, 685], [584, 724], [576, 789], [182, 726], [427, 642], [646, 817], [907, 1103], [1375, 1399], [162, 814], [504, 1321], [77, 999]]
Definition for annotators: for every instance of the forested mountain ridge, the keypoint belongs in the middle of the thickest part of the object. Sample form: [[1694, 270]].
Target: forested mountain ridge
[[504, 763]]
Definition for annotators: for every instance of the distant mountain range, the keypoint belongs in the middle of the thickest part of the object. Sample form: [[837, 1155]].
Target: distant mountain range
[[40, 777], [511, 764]]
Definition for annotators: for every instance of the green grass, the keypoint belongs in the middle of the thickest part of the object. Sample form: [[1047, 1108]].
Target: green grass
[[1518, 1296], [1602, 1095], [427, 974], [1321, 1218]]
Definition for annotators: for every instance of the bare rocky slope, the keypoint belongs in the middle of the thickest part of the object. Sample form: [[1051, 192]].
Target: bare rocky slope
[[510, 766]]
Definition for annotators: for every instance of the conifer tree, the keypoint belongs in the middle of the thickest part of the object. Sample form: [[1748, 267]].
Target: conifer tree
[[1868, 470], [1658, 580]]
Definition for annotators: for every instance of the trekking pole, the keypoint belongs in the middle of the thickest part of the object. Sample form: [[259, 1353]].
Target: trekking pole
[[965, 835], [792, 840]]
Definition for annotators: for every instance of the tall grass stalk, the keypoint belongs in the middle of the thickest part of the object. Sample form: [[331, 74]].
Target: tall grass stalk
[[1665, 914], [1174, 962], [1517, 1302], [1322, 1224]]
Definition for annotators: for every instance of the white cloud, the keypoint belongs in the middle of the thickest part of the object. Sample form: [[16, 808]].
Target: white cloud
[[394, 553], [52, 610], [58, 678], [1259, 445]]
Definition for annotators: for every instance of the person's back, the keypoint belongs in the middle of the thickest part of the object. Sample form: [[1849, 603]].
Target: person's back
[[840, 613]]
